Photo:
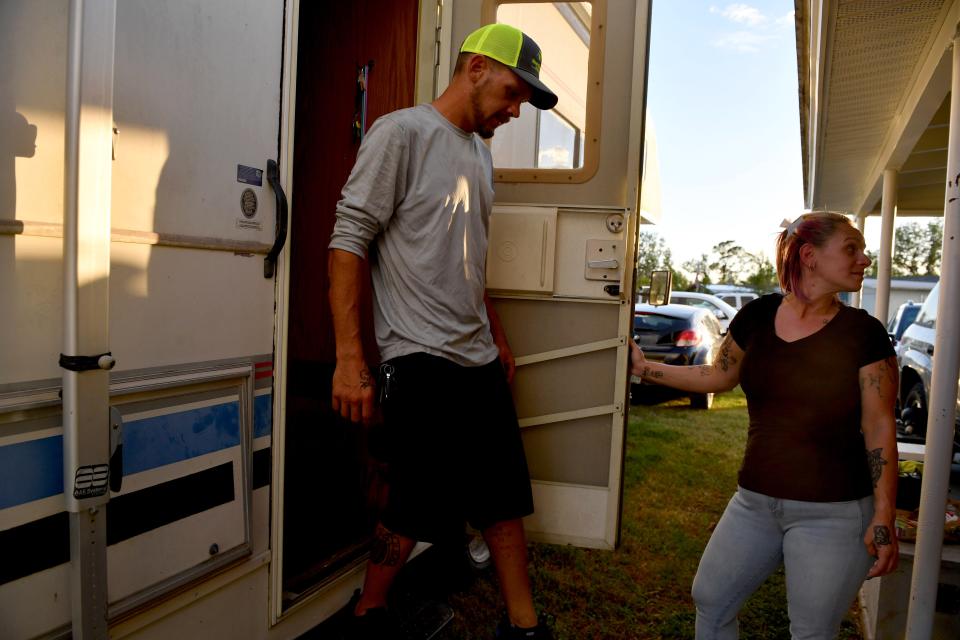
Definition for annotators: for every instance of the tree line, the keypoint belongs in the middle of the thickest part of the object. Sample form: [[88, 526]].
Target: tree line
[[917, 252]]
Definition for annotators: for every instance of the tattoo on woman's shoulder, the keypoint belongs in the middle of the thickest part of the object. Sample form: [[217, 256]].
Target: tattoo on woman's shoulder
[[725, 359]]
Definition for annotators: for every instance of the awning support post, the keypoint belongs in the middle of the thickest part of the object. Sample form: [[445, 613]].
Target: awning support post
[[88, 146], [943, 393], [888, 213], [856, 298]]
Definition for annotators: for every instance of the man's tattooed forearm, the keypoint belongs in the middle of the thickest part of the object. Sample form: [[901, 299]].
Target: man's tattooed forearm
[[385, 549], [366, 380], [876, 462], [881, 535]]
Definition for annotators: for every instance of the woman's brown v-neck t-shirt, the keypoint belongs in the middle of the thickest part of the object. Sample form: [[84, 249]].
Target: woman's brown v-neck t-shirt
[[803, 397]]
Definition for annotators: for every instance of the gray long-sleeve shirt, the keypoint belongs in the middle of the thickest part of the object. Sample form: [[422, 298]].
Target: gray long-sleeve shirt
[[422, 190]]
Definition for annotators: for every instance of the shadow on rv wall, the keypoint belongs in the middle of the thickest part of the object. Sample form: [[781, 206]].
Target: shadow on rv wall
[[18, 139]]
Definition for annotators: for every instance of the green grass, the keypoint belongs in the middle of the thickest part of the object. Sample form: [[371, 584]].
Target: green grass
[[681, 468]]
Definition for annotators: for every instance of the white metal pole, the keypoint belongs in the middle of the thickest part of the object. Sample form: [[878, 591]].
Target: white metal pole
[[856, 298], [888, 213], [86, 270], [943, 393]]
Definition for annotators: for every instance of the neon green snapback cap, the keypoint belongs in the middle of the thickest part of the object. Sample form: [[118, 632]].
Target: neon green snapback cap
[[512, 47]]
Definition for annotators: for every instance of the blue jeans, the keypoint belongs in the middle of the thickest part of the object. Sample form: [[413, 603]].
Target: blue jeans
[[819, 543]]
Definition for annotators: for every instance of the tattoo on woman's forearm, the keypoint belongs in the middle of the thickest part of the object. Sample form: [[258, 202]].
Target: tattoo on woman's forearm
[[385, 549], [876, 462], [881, 535]]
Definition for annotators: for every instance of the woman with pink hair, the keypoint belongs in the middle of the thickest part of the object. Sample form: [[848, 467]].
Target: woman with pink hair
[[817, 487]]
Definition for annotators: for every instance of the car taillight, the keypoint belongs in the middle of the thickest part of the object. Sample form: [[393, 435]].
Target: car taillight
[[688, 338]]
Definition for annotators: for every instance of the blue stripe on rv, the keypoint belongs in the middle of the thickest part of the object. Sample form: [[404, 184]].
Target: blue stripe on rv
[[31, 471], [262, 415], [163, 440]]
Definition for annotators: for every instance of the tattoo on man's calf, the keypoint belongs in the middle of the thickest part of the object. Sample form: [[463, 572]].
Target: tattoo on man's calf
[[385, 549]]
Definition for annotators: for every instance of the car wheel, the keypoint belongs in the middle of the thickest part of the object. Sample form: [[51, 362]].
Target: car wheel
[[914, 413], [701, 400]]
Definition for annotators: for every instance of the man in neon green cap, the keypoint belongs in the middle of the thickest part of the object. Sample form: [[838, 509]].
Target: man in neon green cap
[[419, 199]]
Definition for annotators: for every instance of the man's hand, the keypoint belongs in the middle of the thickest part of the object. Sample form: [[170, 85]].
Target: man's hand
[[506, 359], [500, 339], [881, 542], [353, 389]]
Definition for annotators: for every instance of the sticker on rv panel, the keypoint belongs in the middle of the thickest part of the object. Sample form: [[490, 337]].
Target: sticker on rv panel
[[253, 225], [248, 203], [250, 175], [91, 480]]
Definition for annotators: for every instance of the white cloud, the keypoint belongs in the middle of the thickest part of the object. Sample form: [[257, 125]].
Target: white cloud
[[787, 20], [555, 157], [755, 31], [742, 14], [742, 41]]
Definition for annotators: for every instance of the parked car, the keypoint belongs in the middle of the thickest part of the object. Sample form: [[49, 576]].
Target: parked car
[[903, 318], [674, 334], [737, 299], [721, 310], [915, 357]]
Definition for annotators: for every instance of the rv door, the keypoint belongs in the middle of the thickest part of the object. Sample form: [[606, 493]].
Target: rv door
[[562, 251]]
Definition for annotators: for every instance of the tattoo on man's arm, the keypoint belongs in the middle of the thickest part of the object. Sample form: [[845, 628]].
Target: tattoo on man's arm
[[366, 380], [876, 462], [706, 369], [881, 535], [385, 549], [657, 374]]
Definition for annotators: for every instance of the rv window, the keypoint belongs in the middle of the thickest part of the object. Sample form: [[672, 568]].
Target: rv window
[[565, 140]]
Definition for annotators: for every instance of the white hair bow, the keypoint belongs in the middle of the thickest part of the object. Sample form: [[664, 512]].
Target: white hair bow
[[791, 227]]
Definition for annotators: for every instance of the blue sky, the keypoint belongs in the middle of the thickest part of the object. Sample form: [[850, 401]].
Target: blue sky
[[724, 103], [723, 99]]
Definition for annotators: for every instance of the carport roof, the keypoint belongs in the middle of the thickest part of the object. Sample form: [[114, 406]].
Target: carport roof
[[874, 80]]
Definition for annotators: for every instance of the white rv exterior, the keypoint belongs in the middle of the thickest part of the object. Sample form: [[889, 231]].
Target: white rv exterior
[[136, 219]]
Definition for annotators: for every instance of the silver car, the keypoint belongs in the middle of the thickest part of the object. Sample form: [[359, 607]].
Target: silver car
[[915, 357]]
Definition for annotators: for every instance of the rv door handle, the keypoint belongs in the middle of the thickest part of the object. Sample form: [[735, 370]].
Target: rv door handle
[[603, 264], [273, 177]]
